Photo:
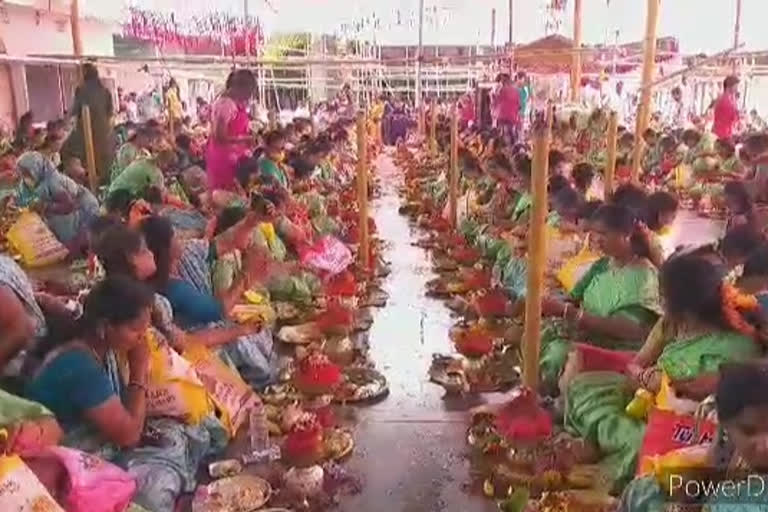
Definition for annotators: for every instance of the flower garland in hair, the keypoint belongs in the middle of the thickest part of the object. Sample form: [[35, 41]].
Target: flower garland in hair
[[734, 304]]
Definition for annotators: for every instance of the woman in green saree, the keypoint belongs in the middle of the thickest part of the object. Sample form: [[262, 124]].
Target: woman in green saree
[[137, 146], [614, 305], [686, 349], [739, 455]]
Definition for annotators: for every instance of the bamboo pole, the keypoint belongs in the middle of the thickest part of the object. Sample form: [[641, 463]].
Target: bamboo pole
[[74, 21], [362, 192], [649, 65], [420, 120], [433, 128], [610, 168], [90, 153], [537, 250], [453, 191], [272, 119], [576, 64]]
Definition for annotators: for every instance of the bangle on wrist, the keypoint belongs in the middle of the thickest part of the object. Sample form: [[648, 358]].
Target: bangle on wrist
[[565, 311], [138, 385]]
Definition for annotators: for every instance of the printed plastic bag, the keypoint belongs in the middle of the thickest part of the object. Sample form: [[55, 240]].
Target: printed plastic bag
[[328, 254], [35, 242], [94, 484], [667, 431], [174, 389], [233, 397], [20, 490]]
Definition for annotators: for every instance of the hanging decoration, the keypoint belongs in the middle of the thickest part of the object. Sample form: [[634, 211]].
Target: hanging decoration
[[214, 33], [553, 14]]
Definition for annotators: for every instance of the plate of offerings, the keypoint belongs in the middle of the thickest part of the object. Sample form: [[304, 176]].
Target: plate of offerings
[[280, 394], [302, 334], [360, 384], [338, 443], [241, 493], [363, 319], [375, 297], [287, 312]]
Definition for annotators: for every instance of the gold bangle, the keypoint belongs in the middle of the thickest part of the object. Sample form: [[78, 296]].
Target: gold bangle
[[579, 317]]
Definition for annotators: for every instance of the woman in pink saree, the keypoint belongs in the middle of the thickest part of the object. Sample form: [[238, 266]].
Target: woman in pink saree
[[230, 133]]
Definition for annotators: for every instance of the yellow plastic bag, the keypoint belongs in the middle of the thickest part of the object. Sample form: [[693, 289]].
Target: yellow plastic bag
[[667, 400], [20, 490], [174, 389], [233, 398], [676, 462], [35, 242], [574, 268]]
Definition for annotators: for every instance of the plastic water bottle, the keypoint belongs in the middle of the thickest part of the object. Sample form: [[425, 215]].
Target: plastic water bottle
[[258, 430]]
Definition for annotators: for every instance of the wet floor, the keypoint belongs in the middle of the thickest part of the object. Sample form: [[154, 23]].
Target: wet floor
[[410, 446]]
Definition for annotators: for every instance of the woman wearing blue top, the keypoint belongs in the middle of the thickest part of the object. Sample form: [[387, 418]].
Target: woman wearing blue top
[[183, 276], [102, 407]]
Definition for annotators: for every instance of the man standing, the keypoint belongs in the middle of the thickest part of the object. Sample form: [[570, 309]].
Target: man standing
[[507, 108], [677, 115], [617, 101], [524, 85], [726, 110]]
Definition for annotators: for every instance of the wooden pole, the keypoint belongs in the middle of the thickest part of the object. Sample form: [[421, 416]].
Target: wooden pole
[[511, 25], [419, 55], [171, 127], [537, 250], [737, 25], [272, 119], [362, 192], [90, 153], [610, 167], [453, 191], [420, 120], [649, 65], [576, 59], [247, 23], [737, 31], [433, 128], [493, 28], [74, 21]]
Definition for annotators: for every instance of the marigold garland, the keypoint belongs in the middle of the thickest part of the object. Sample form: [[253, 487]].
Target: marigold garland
[[734, 304]]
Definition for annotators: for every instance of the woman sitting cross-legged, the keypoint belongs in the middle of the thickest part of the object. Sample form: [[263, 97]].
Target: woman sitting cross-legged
[[183, 276], [101, 401], [613, 306], [704, 326]]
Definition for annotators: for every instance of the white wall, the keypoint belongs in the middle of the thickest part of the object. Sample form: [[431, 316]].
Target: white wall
[[31, 31], [26, 33]]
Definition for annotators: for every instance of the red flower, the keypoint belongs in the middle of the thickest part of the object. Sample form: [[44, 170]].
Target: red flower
[[474, 342], [342, 285], [493, 303], [522, 419], [317, 371], [465, 255]]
